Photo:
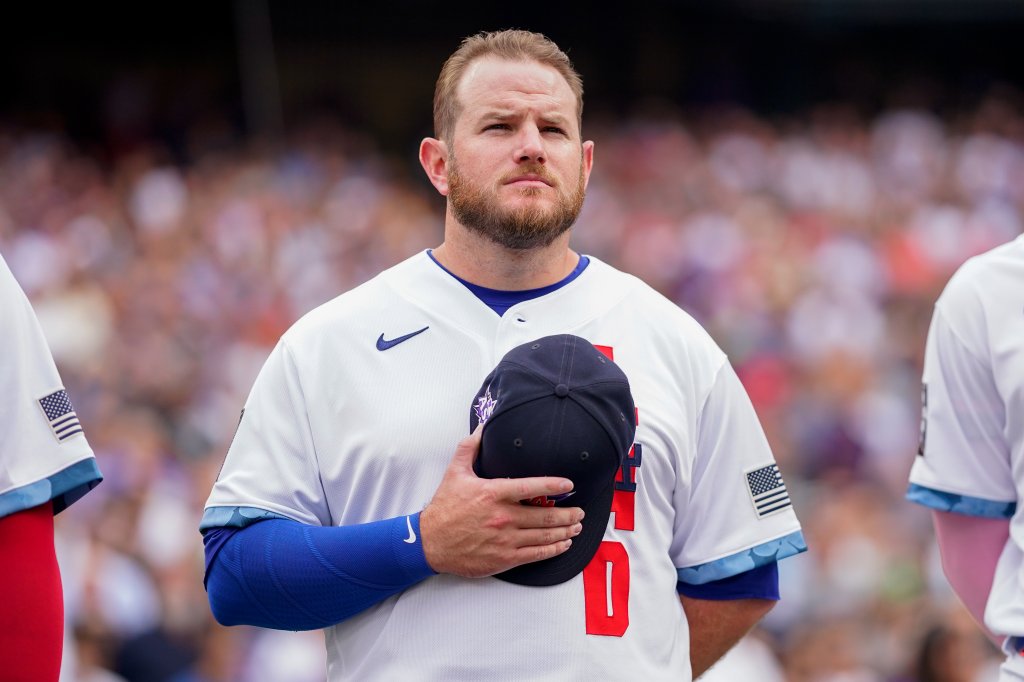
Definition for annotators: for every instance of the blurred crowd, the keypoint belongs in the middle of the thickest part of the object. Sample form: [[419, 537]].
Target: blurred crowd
[[812, 249]]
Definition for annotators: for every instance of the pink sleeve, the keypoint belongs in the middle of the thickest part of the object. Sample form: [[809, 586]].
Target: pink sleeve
[[970, 547]]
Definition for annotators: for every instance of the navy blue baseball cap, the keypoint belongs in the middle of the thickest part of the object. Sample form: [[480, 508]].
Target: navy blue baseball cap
[[557, 406]]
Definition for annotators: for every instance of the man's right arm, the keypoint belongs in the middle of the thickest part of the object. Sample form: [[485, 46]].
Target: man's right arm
[[283, 574], [286, 575]]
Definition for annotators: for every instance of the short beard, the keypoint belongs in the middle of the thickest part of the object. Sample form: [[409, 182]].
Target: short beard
[[520, 229]]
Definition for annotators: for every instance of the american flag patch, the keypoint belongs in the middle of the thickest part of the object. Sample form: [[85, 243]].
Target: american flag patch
[[767, 491], [60, 414]]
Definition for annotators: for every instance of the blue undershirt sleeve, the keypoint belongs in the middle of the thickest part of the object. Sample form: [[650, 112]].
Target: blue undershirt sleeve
[[757, 583], [286, 575]]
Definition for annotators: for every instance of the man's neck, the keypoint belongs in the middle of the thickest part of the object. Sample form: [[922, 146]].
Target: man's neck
[[480, 261]]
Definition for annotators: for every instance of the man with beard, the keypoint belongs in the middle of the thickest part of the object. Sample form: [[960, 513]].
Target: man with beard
[[342, 506]]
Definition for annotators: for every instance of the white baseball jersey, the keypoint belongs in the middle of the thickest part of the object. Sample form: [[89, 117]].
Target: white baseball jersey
[[971, 458], [43, 452], [343, 427]]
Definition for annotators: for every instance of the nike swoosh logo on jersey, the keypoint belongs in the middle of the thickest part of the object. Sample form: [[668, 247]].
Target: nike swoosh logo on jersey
[[408, 521], [384, 344]]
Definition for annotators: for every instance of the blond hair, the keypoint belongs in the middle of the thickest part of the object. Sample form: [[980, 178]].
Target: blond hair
[[513, 45]]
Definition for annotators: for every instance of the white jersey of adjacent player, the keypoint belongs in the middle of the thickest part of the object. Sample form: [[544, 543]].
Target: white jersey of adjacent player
[[337, 432], [43, 453], [971, 459]]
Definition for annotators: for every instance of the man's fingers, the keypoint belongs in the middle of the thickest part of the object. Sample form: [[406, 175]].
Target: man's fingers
[[546, 517], [516, 489], [537, 537], [525, 555], [465, 451]]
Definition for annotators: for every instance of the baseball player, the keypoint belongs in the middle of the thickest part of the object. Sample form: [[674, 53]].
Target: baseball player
[[969, 464], [348, 498], [45, 465]]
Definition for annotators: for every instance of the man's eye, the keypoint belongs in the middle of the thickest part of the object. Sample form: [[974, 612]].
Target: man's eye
[[554, 129], [498, 126]]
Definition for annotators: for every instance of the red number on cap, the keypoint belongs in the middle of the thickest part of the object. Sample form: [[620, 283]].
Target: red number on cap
[[606, 583]]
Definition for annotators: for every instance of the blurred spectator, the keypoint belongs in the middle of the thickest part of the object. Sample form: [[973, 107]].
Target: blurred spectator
[[955, 651]]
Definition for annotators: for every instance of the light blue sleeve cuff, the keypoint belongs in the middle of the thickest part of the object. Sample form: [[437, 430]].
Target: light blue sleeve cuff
[[960, 504], [64, 487], [744, 561], [236, 517]]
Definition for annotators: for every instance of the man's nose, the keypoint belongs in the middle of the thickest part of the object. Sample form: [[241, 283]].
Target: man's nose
[[531, 145]]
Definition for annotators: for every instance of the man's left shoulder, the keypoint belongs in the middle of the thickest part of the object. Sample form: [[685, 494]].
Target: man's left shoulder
[[628, 289], [652, 324]]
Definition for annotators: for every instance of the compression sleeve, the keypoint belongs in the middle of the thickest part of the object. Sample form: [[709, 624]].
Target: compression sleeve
[[285, 575], [32, 616], [758, 583]]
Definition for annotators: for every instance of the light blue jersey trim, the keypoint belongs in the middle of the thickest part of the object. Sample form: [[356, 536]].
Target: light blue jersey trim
[[960, 504], [64, 487], [744, 561], [235, 517]]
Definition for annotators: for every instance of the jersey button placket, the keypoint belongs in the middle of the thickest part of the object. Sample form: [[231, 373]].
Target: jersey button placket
[[513, 330]]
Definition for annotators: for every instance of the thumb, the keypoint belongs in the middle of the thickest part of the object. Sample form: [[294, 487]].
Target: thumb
[[466, 452]]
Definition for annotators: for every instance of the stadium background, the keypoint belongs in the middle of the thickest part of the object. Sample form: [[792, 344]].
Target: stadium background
[[178, 183]]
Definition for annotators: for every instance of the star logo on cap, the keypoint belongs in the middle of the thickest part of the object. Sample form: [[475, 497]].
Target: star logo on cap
[[484, 407]]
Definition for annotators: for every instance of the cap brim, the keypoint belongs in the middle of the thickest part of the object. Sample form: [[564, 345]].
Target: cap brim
[[570, 563]]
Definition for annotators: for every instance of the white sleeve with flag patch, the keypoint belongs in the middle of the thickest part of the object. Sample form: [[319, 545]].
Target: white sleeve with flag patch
[[43, 450], [736, 514]]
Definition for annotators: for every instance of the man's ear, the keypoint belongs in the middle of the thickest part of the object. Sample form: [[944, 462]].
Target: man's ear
[[588, 161], [434, 159]]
